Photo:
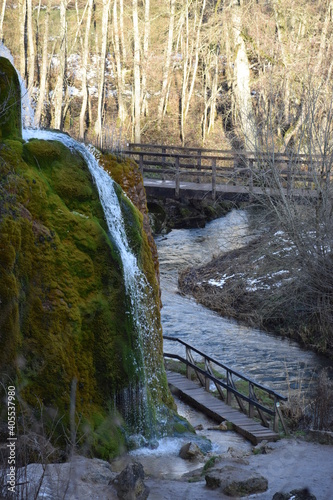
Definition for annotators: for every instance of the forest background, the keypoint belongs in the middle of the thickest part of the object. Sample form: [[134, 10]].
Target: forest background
[[213, 73]]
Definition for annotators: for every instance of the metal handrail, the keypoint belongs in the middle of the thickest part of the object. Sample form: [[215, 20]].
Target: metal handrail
[[205, 376]]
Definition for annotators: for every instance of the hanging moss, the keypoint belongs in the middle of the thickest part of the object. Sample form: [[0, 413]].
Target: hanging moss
[[10, 101], [63, 313]]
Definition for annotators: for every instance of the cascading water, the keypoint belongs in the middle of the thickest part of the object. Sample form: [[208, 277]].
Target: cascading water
[[134, 400]]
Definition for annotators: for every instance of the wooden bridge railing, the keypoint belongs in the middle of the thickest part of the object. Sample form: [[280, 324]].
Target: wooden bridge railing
[[228, 389], [239, 168]]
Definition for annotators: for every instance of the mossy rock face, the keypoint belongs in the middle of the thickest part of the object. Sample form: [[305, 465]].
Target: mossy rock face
[[10, 101], [63, 302]]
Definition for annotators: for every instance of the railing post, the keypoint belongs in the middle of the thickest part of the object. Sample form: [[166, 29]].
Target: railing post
[[141, 162], [251, 162], [163, 157], [177, 178], [213, 179], [229, 393], [276, 416], [288, 179], [199, 164], [251, 407], [188, 368], [207, 379]]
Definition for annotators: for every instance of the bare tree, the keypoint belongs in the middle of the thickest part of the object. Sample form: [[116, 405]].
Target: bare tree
[[84, 66], [241, 83], [145, 55], [59, 87], [105, 24], [2, 16], [43, 74], [137, 74], [167, 64], [119, 64], [31, 47]]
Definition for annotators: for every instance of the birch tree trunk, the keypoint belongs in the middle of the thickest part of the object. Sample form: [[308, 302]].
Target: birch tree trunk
[[105, 23], [279, 30], [137, 83], [23, 38], [43, 74], [2, 17], [166, 71], [241, 87], [145, 59], [58, 91], [84, 65], [120, 73], [31, 48]]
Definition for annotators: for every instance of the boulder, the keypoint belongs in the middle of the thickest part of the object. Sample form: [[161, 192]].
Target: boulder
[[129, 483], [190, 451], [235, 481], [302, 494]]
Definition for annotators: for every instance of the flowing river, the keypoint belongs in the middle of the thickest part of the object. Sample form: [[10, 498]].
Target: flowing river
[[276, 362]]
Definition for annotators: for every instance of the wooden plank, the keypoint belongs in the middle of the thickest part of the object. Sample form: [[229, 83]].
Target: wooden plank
[[218, 410]]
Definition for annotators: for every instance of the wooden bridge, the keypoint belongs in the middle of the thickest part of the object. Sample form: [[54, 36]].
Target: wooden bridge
[[195, 173], [258, 416]]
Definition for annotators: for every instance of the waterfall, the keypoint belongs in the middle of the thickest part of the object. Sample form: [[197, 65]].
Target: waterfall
[[134, 399], [140, 300]]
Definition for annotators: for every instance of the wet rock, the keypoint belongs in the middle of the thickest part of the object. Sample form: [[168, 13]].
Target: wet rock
[[235, 481], [261, 449], [129, 483], [303, 494], [190, 451], [222, 427]]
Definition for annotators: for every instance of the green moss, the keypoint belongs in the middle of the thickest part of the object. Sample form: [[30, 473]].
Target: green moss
[[62, 290], [10, 101]]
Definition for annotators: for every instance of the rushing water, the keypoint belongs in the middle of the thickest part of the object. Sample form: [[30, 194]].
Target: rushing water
[[276, 362], [134, 399]]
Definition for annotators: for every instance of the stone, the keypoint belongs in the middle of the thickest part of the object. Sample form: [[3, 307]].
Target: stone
[[129, 483], [301, 494], [190, 451], [235, 481]]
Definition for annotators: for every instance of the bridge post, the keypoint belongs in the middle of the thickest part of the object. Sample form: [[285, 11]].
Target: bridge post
[[251, 166], [177, 178], [288, 179], [199, 164], [141, 162], [214, 178]]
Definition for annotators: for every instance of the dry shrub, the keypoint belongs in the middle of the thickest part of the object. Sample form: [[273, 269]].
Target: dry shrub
[[322, 404]]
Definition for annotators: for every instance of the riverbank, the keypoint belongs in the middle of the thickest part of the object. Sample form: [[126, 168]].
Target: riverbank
[[261, 286]]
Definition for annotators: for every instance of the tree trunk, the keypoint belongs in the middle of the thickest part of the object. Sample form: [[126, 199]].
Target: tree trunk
[[241, 88], [43, 74], [31, 48], [105, 23], [2, 16], [120, 80], [23, 38], [137, 83], [166, 72], [145, 59], [85, 55], [58, 91]]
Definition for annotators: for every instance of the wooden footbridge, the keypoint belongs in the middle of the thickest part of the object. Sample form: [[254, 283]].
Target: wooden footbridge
[[216, 393], [195, 173]]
